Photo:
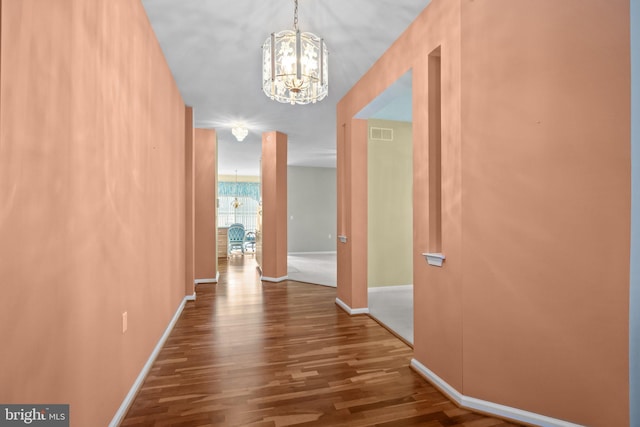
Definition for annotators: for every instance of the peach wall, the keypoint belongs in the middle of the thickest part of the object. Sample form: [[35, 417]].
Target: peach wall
[[92, 196], [189, 176], [546, 206], [344, 289], [530, 309], [634, 306], [438, 292], [352, 268], [206, 259], [274, 206]]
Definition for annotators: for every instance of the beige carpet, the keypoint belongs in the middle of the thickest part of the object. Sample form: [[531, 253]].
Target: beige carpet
[[393, 306], [319, 268]]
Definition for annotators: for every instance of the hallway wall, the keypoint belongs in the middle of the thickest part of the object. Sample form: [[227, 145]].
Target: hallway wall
[[311, 201], [534, 292], [92, 202], [634, 306], [206, 187], [390, 205], [271, 237], [546, 178]]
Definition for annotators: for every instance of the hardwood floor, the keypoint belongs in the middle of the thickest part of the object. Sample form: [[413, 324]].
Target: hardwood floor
[[248, 354]]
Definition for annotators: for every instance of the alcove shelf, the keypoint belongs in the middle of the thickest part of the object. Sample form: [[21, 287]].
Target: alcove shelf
[[434, 258]]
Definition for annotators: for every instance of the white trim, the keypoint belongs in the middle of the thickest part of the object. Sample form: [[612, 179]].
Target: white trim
[[191, 297], [440, 384], [128, 400], [389, 288], [351, 311], [313, 253], [274, 279], [486, 407], [434, 259], [202, 281]]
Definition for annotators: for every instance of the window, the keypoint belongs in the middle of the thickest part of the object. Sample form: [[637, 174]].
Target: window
[[247, 194]]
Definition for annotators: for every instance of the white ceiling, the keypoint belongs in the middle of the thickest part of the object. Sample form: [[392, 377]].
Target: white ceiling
[[214, 49]]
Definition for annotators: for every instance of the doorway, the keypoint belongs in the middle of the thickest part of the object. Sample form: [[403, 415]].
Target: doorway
[[390, 208]]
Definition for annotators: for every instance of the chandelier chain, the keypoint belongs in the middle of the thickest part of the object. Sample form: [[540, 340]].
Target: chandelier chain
[[295, 16]]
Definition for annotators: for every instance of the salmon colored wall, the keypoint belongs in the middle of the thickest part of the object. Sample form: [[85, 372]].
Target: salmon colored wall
[[352, 203], [189, 170], [344, 289], [438, 292], [274, 205], [206, 259], [547, 206], [634, 306], [438, 317], [92, 196], [530, 309]]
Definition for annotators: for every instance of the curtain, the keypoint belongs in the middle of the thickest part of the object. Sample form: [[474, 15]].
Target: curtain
[[248, 194], [241, 189]]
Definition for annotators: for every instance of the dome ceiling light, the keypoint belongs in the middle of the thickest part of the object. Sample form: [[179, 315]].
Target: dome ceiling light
[[240, 132]]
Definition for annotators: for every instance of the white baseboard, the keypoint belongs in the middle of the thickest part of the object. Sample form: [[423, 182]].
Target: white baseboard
[[191, 297], [313, 253], [486, 407], [200, 281], [128, 400], [351, 311], [274, 279]]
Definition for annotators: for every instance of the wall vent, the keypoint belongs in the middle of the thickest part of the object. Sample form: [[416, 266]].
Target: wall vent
[[381, 134]]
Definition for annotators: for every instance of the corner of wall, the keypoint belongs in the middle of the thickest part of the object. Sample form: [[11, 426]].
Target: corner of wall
[[634, 288]]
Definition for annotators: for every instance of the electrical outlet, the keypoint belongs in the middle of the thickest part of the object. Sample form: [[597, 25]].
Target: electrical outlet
[[124, 322], [329, 235]]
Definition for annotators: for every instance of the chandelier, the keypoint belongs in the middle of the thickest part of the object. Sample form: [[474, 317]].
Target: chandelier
[[295, 66], [240, 132], [235, 203]]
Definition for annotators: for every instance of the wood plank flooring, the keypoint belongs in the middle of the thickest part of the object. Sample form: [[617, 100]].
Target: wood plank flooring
[[270, 355]]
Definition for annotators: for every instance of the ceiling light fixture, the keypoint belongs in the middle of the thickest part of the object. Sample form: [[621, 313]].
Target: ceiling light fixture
[[235, 203], [295, 66], [240, 132]]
